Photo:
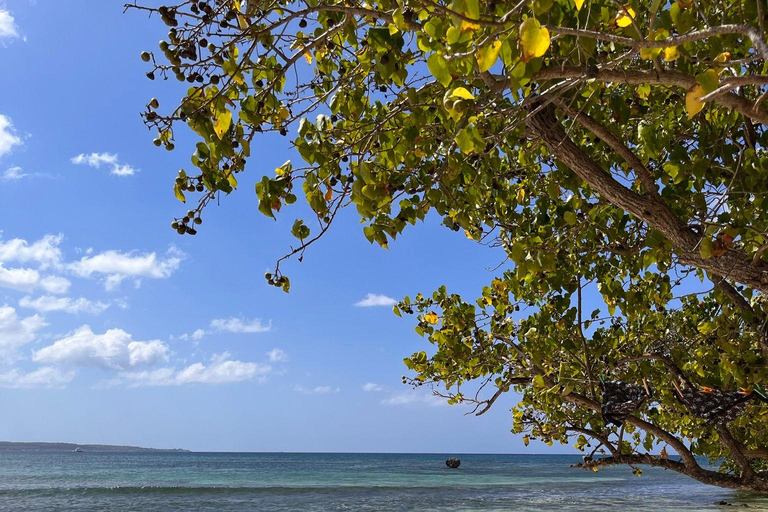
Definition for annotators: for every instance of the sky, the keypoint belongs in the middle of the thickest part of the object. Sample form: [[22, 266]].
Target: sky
[[114, 329]]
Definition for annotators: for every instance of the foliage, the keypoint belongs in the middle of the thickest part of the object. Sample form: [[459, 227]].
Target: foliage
[[612, 149]]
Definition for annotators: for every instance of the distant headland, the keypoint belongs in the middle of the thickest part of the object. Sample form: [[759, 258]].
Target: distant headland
[[6, 446]]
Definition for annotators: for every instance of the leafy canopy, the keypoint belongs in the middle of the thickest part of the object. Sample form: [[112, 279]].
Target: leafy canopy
[[610, 149]]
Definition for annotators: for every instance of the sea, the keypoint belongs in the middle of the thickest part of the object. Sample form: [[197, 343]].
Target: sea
[[170, 482]]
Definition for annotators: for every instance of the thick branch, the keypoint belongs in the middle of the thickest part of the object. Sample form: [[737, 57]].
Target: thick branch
[[543, 125], [710, 477], [730, 444], [614, 142], [638, 77], [744, 30]]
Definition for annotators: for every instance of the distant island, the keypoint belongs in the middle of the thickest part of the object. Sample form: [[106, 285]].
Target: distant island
[[6, 446]]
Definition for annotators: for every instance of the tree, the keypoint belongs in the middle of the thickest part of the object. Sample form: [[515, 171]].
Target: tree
[[608, 148]]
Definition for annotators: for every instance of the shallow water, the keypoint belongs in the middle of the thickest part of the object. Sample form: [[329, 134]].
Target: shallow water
[[171, 482]]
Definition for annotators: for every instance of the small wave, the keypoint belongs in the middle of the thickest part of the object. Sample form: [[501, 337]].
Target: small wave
[[182, 490]]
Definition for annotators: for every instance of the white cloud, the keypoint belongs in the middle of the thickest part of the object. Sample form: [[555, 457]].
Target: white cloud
[[110, 159], [117, 266], [372, 386], [319, 390], [44, 251], [95, 159], [8, 28], [16, 331], [220, 370], [113, 350], [197, 335], [277, 355], [13, 174], [55, 284], [27, 280], [123, 170], [414, 397], [43, 377], [8, 137], [239, 325], [375, 299], [47, 303]]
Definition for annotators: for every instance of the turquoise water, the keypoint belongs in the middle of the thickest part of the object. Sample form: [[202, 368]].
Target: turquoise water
[[170, 482]]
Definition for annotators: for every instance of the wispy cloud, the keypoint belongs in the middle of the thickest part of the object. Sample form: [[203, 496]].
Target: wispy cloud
[[8, 137], [197, 335], [13, 174], [48, 303], [374, 300], [318, 390], [239, 325], [277, 355], [372, 386], [43, 377], [413, 397], [221, 370], [107, 159]]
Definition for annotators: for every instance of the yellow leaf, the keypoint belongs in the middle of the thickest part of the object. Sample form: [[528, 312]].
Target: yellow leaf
[[222, 122], [468, 234], [487, 55], [663, 453], [594, 468], [179, 194], [462, 93], [659, 34], [671, 53], [284, 113], [393, 29], [431, 318], [723, 57], [579, 4], [329, 194], [419, 152], [308, 57], [625, 16], [534, 39], [468, 26], [232, 180], [692, 100], [526, 440], [520, 195]]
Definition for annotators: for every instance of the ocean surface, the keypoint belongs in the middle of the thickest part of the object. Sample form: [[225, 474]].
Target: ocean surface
[[169, 482]]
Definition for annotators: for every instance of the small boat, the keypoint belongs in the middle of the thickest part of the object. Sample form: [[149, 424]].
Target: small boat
[[78, 450]]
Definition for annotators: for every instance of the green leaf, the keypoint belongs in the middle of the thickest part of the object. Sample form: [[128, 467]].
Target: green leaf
[[709, 80], [438, 66]]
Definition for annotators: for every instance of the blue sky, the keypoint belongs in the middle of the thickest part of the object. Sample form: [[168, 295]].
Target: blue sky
[[114, 329]]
